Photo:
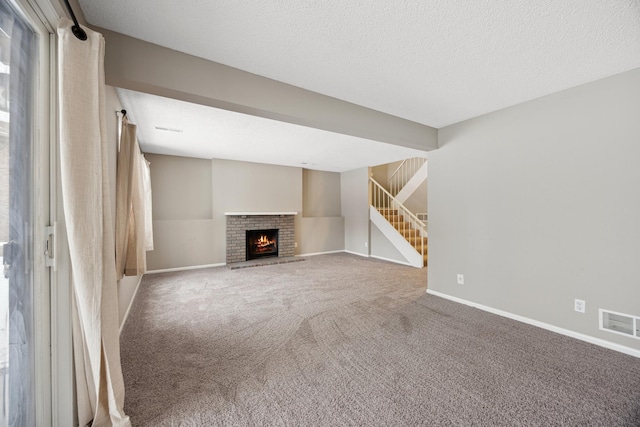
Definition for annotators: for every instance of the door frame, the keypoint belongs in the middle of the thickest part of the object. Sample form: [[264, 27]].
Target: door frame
[[53, 355]]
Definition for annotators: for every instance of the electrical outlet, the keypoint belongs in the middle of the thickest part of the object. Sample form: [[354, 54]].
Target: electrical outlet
[[460, 279], [366, 244], [579, 305], [295, 244]]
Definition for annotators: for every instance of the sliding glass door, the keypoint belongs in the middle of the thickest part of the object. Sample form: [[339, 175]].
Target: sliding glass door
[[22, 203]]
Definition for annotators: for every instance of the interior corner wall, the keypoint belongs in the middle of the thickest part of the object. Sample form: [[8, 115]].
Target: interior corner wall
[[418, 200], [183, 230], [379, 173], [322, 224], [127, 286], [539, 204], [382, 248], [320, 194], [252, 187], [354, 187]]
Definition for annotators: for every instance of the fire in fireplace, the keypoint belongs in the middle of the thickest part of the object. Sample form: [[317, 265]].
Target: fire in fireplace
[[262, 243]]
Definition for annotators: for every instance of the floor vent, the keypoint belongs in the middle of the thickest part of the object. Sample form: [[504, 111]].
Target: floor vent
[[618, 323]]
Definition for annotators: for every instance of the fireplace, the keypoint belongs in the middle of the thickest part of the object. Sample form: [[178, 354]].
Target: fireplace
[[238, 223], [262, 243]]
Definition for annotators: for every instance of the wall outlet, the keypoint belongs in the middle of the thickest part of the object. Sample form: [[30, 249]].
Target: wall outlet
[[366, 244], [579, 305], [295, 244], [460, 279]]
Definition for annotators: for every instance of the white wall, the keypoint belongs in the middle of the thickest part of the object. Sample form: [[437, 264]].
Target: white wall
[[539, 204]]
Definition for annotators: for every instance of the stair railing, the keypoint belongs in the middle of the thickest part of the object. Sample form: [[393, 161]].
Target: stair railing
[[404, 173], [410, 226]]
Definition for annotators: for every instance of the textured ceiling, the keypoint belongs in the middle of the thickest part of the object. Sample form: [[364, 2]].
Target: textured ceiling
[[435, 62], [193, 130]]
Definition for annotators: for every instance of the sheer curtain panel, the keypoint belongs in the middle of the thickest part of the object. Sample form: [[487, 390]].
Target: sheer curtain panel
[[85, 195]]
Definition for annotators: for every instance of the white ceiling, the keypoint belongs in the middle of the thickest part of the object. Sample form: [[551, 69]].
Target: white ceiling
[[193, 130], [435, 62]]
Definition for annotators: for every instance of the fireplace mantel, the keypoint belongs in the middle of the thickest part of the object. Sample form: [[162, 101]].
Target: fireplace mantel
[[258, 213]]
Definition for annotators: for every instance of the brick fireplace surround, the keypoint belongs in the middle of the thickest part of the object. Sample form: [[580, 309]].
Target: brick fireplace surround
[[239, 222]]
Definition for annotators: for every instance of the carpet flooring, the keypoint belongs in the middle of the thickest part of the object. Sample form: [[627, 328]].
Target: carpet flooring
[[340, 340]]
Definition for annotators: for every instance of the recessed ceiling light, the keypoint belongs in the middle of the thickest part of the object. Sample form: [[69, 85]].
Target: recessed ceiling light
[[169, 129]]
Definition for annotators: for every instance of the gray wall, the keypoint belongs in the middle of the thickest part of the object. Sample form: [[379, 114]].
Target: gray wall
[[321, 225], [417, 202], [382, 248], [145, 67], [253, 187], [379, 173], [320, 194], [355, 210], [183, 226], [191, 196], [539, 204]]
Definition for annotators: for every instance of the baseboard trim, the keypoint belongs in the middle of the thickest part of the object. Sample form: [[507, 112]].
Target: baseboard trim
[[322, 253], [133, 298], [191, 267], [395, 261], [355, 253], [592, 340]]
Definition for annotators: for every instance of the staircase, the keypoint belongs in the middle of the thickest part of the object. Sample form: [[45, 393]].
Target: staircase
[[402, 227], [407, 177], [416, 237]]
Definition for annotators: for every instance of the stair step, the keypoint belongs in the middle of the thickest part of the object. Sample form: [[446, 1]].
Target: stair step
[[402, 225], [415, 240], [387, 211], [394, 218], [408, 232]]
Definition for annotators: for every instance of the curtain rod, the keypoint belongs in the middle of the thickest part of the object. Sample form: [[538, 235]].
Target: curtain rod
[[76, 30]]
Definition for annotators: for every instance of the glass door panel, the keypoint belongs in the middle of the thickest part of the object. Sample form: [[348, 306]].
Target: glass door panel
[[17, 74]]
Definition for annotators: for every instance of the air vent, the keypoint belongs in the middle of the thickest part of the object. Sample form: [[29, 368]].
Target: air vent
[[618, 323], [168, 129]]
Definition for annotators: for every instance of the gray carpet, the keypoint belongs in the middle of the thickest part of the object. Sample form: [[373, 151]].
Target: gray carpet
[[341, 340]]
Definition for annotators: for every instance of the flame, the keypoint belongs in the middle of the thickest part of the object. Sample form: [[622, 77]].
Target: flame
[[263, 244]]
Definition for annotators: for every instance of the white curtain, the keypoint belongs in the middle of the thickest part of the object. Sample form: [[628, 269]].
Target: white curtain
[[85, 195], [148, 202], [133, 191], [124, 186]]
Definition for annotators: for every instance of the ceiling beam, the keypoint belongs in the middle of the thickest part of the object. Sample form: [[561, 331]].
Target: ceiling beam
[[145, 67]]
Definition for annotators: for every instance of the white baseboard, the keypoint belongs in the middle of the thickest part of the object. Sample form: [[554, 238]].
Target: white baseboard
[[133, 298], [395, 261], [322, 253], [356, 253], [597, 341], [191, 267], [362, 255]]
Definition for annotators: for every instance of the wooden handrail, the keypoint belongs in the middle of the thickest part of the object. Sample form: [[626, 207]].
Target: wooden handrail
[[400, 207]]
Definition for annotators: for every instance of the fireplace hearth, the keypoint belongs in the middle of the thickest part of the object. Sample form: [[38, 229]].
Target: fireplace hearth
[[262, 243]]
